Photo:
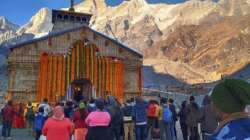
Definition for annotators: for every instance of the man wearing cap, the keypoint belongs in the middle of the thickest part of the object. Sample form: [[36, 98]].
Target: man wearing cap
[[230, 98]]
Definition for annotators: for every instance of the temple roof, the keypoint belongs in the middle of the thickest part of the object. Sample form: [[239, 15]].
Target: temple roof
[[54, 34]]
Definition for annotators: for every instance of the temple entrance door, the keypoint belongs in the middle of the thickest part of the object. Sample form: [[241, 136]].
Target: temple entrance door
[[82, 89]]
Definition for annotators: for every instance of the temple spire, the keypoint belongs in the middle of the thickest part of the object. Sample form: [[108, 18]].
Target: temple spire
[[71, 6]]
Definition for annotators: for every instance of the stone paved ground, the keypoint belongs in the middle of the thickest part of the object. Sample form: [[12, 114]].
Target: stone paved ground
[[25, 134], [20, 134]]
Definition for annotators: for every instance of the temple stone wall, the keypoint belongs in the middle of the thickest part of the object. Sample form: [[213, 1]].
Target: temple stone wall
[[23, 61]]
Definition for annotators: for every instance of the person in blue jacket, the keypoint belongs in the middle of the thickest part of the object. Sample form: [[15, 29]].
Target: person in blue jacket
[[229, 99], [40, 118], [140, 117]]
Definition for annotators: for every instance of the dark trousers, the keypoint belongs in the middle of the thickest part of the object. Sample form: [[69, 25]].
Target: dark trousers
[[6, 128], [99, 133], [184, 130], [152, 123], [169, 131], [175, 131], [141, 132], [116, 133], [161, 125], [38, 134], [194, 134]]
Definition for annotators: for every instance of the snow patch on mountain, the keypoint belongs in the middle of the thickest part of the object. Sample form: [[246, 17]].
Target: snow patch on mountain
[[7, 29], [40, 23], [6, 25]]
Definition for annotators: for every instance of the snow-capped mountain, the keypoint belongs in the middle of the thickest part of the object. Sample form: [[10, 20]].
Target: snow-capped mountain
[[6, 25], [186, 40], [40, 24], [7, 29]]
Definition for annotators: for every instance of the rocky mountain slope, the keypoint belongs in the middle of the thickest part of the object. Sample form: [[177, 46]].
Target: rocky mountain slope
[[210, 50], [195, 41]]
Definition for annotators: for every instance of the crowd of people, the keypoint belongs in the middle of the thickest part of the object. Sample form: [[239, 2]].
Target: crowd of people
[[220, 117]]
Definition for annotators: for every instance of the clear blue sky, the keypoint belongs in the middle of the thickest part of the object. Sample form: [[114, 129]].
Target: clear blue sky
[[20, 11]]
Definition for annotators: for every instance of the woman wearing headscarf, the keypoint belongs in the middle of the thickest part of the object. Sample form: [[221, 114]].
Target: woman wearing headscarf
[[229, 99], [58, 127], [98, 123]]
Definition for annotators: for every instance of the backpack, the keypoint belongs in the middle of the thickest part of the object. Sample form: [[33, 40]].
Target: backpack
[[152, 109], [30, 113], [39, 122], [167, 115]]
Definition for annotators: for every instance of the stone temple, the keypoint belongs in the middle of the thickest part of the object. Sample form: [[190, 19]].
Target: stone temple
[[71, 62]]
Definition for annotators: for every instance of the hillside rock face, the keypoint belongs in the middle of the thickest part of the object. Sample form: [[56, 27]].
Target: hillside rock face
[[215, 49], [196, 41]]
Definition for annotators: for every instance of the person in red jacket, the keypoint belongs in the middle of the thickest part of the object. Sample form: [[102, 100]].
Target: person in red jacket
[[79, 117], [152, 115], [58, 127], [8, 113], [19, 116]]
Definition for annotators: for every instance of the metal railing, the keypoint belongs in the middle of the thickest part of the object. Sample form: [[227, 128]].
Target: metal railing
[[177, 97]]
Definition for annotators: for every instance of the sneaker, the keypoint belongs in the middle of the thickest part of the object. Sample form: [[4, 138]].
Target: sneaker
[[9, 138]]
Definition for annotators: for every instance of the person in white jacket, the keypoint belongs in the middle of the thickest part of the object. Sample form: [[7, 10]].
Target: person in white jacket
[[45, 106]]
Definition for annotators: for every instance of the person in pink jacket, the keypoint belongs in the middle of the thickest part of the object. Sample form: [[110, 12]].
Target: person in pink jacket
[[58, 127], [98, 122]]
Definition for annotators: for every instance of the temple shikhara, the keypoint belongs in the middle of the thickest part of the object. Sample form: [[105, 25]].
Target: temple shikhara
[[73, 62]]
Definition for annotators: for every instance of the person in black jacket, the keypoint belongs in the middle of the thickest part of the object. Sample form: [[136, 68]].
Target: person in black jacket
[[173, 110], [69, 109], [193, 116], [116, 114], [183, 118], [208, 120]]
